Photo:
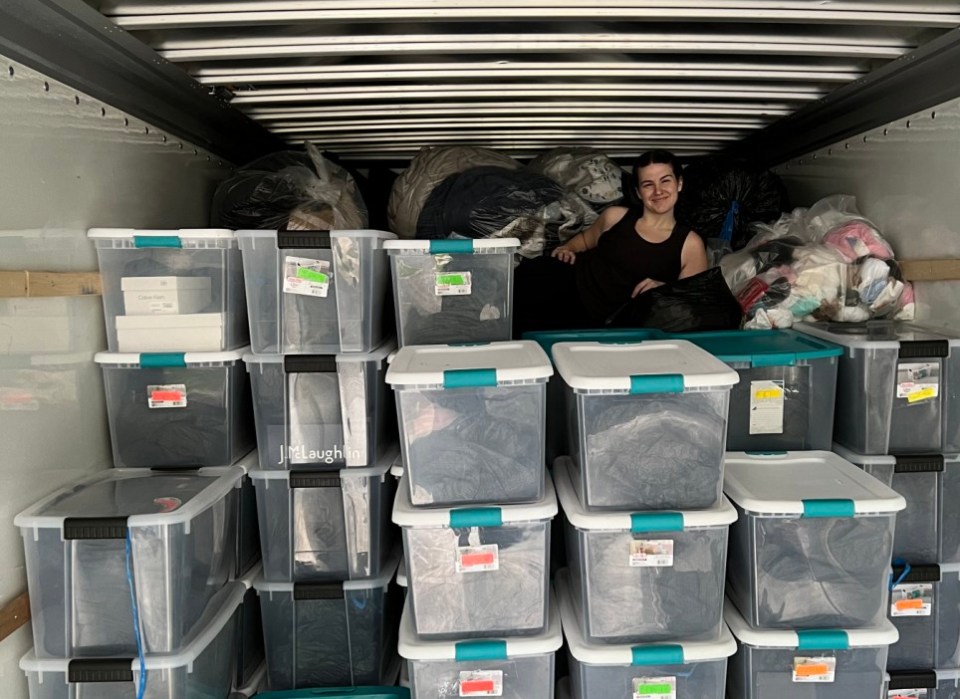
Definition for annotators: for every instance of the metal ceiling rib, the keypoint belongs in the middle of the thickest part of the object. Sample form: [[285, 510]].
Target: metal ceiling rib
[[378, 79]]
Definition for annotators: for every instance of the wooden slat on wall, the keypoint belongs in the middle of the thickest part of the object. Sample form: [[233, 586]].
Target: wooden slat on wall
[[26, 283], [15, 614], [931, 270]]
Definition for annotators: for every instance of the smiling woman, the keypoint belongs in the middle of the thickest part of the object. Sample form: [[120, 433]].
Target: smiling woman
[[626, 252]]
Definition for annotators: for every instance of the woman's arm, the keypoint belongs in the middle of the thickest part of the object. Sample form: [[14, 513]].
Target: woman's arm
[[693, 257], [589, 238]]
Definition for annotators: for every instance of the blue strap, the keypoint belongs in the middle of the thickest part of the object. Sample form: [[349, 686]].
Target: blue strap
[[816, 509], [157, 241], [466, 517], [162, 360], [641, 522], [480, 650], [726, 233], [903, 575], [469, 378], [823, 639], [663, 383], [667, 654], [440, 247]]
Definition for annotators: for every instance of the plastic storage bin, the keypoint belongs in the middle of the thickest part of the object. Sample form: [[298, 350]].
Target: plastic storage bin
[[682, 669], [923, 684], [177, 409], [325, 525], [331, 634], [320, 410], [925, 608], [341, 693], [895, 390], [448, 291], [472, 422], [647, 423], [812, 543], [788, 664], [477, 572], [647, 576], [204, 667], [250, 689], [315, 292], [171, 291], [251, 656], [928, 531], [787, 389], [516, 668], [248, 530], [181, 531]]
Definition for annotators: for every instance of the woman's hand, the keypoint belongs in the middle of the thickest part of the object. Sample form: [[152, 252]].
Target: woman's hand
[[644, 286], [565, 254]]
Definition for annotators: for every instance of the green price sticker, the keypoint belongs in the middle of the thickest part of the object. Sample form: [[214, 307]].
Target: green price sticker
[[653, 689], [451, 279], [312, 275]]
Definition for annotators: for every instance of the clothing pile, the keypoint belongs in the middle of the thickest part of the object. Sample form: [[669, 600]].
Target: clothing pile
[[823, 263], [587, 172]]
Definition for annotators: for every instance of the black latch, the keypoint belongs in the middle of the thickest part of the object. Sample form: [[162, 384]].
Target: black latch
[[78, 528], [309, 363], [314, 479], [913, 680], [317, 591], [100, 670], [917, 574], [919, 463], [304, 240], [922, 349]]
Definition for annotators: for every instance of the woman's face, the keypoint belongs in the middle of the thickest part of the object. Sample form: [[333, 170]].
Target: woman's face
[[658, 188]]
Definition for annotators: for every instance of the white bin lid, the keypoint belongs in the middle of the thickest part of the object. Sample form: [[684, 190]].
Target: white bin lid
[[877, 334], [169, 359], [412, 647], [378, 470], [145, 497], [656, 366], [378, 355], [333, 234], [426, 246], [406, 515], [864, 459], [188, 233], [215, 617], [884, 634], [249, 462], [389, 572], [462, 366], [805, 483], [251, 576], [722, 514], [681, 652]]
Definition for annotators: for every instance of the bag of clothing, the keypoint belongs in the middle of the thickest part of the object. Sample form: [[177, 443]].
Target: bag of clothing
[[698, 303], [587, 172]]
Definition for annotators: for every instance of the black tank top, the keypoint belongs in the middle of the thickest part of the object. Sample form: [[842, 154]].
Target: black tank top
[[608, 274]]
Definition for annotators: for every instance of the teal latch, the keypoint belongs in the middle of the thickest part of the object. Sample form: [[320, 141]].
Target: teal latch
[[663, 383], [157, 241], [469, 378], [162, 360], [449, 247], [480, 650], [813, 509], [657, 655], [476, 517], [823, 639], [641, 522]]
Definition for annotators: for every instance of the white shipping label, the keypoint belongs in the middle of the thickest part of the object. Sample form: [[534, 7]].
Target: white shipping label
[[918, 382], [478, 559], [814, 669], [654, 687], [646, 553], [167, 396], [454, 284], [907, 694], [912, 600], [481, 683], [306, 277], [766, 407]]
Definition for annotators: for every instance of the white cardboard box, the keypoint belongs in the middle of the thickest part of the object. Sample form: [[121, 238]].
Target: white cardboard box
[[196, 332], [165, 295]]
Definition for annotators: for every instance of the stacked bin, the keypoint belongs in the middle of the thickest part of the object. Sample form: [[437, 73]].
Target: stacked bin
[[898, 418], [646, 523], [320, 340], [475, 506], [808, 577]]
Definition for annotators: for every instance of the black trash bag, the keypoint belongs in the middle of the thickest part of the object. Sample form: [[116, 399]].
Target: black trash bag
[[721, 200], [699, 303]]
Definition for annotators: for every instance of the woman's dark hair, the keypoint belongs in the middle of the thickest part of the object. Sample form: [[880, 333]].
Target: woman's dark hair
[[657, 157]]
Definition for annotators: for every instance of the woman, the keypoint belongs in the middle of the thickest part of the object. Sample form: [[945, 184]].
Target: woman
[[626, 252]]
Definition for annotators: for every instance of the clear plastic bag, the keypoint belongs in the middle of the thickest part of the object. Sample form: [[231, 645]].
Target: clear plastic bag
[[587, 172]]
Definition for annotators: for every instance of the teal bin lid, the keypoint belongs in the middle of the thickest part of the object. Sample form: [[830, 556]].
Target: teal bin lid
[[761, 347], [340, 693], [548, 338]]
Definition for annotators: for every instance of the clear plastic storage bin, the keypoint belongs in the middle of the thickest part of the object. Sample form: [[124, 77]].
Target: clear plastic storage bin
[[895, 387], [515, 668], [477, 572], [647, 423], [472, 422], [695, 669], [646, 576], [177, 409], [248, 530], [923, 684], [790, 664], [928, 531], [325, 525], [180, 527], [925, 608], [250, 689], [449, 291], [787, 389], [331, 634], [317, 292], [171, 291], [251, 656], [320, 410], [813, 541], [203, 667]]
